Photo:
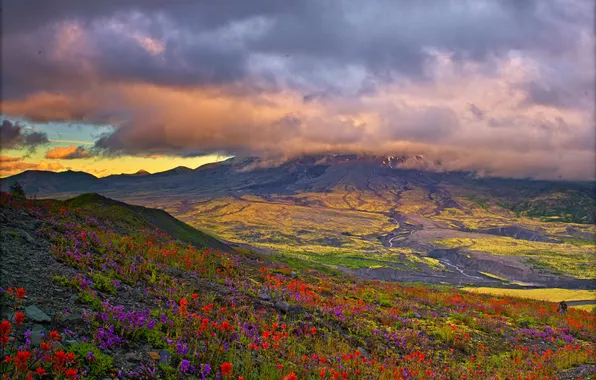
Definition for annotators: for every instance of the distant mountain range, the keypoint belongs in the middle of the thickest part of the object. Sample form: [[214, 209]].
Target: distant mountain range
[[572, 201]]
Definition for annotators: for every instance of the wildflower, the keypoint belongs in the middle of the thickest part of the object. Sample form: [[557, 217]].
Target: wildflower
[[290, 376], [90, 356], [21, 360], [40, 371], [226, 369], [322, 374], [4, 332], [71, 373], [54, 335], [205, 369], [184, 365], [21, 293], [19, 318]]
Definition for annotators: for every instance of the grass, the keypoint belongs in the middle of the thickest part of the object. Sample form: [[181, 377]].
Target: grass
[[548, 294], [494, 276], [574, 260]]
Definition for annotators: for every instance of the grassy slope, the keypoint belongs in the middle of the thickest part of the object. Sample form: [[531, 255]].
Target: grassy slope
[[138, 217], [367, 329]]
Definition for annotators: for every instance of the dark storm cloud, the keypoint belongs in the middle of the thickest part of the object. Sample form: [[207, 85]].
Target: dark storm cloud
[[13, 136], [388, 39]]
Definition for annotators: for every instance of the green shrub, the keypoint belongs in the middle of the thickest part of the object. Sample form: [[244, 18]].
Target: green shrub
[[526, 322], [103, 283], [91, 300], [98, 363], [62, 281]]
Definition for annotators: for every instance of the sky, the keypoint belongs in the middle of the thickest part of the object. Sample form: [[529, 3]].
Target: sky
[[501, 87]]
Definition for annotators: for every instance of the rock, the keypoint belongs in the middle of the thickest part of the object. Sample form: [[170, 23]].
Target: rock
[[154, 355], [164, 357], [294, 274], [74, 319], [132, 357], [27, 237], [69, 341], [363, 351], [296, 309], [36, 332], [264, 296], [417, 316], [283, 306], [34, 313]]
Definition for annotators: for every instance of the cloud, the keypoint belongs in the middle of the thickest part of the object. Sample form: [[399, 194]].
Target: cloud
[[13, 165], [68, 153], [449, 79], [12, 136]]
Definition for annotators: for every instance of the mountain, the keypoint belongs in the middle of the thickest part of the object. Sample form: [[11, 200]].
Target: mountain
[[42, 182], [570, 201]]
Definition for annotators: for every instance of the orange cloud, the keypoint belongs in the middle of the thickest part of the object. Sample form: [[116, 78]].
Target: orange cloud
[[68, 153], [14, 165]]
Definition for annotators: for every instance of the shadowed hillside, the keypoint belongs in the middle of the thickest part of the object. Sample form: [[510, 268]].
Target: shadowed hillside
[[136, 217]]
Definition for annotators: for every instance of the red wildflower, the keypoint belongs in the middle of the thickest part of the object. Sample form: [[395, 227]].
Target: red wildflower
[[21, 360], [4, 332], [226, 369], [54, 335], [290, 376], [19, 318], [194, 296], [21, 293], [71, 373], [40, 371], [59, 359]]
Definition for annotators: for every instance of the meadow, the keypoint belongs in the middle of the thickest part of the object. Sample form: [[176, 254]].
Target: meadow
[[216, 314], [545, 294]]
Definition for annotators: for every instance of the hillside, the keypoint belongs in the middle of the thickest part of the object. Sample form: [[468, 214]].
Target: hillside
[[145, 306], [378, 218], [133, 218]]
